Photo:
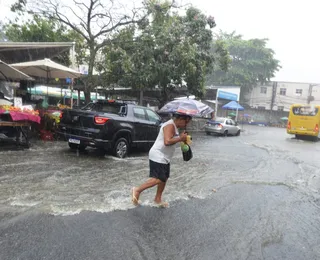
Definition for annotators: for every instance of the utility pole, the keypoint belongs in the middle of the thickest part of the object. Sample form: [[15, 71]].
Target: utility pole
[[310, 97], [216, 105], [274, 94]]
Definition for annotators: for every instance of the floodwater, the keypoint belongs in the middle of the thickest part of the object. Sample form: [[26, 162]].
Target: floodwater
[[250, 197]]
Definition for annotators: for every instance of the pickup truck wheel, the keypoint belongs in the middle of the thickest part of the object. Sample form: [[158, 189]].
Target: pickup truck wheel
[[76, 146], [121, 148]]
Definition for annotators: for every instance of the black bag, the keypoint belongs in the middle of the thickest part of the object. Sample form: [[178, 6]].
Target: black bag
[[187, 156]]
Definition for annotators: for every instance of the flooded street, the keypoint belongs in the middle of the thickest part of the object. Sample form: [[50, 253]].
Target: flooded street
[[250, 197]]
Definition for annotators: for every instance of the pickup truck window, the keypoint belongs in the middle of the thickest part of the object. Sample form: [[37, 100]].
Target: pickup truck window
[[90, 106], [152, 116], [103, 107], [139, 113], [110, 108]]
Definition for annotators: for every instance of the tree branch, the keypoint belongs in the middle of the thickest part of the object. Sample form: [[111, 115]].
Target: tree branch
[[64, 19], [51, 12], [89, 18], [119, 24], [82, 22]]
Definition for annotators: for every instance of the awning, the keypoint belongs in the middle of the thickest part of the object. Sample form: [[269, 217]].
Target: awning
[[46, 68], [7, 72], [233, 105], [13, 52]]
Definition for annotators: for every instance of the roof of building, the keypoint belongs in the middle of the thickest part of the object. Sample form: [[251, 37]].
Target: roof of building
[[13, 52]]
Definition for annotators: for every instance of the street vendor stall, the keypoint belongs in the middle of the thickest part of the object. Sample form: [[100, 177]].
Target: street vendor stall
[[15, 124], [15, 121], [48, 69]]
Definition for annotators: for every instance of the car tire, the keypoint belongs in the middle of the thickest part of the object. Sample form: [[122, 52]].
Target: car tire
[[238, 133], [208, 133], [225, 133], [121, 148], [77, 147]]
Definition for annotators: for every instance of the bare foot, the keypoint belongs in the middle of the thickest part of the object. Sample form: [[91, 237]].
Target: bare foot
[[162, 204], [135, 196]]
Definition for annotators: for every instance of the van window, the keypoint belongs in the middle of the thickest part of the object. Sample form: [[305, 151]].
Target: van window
[[305, 111]]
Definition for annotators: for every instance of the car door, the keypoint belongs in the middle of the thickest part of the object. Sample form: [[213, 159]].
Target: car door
[[154, 124], [233, 127], [229, 126], [141, 125]]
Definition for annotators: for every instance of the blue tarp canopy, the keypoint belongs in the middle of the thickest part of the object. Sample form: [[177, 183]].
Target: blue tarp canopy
[[233, 105]]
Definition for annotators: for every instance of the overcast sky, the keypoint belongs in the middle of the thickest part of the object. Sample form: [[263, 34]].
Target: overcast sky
[[292, 28]]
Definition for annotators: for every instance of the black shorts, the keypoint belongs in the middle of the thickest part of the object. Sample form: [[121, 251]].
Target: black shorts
[[159, 171]]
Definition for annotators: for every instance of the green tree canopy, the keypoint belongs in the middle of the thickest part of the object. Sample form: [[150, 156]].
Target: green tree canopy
[[94, 20], [165, 51], [40, 29], [252, 62]]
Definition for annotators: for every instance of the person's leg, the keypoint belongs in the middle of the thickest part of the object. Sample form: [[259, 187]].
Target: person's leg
[[137, 190], [158, 199], [160, 189]]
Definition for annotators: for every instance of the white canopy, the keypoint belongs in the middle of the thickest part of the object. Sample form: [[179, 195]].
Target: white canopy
[[4, 102], [46, 68], [8, 72]]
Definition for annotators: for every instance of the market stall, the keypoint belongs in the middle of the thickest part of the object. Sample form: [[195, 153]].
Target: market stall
[[15, 121], [49, 69], [46, 68], [15, 124]]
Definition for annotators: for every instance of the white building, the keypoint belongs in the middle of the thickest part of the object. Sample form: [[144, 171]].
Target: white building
[[281, 95]]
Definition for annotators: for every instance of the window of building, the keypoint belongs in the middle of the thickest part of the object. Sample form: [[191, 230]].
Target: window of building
[[280, 108], [263, 90], [261, 108], [283, 91], [299, 91]]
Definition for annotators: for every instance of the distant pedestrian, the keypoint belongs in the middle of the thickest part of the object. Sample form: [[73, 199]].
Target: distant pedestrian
[[160, 156]]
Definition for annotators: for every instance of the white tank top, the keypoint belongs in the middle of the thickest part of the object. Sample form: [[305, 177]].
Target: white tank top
[[159, 152]]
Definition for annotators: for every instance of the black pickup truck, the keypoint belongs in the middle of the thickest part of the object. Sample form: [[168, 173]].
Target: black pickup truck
[[109, 125]]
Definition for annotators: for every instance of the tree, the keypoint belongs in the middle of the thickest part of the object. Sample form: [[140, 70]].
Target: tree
[[41, 29], [95, 20], [252, 62], [165, 51], [3, 37]]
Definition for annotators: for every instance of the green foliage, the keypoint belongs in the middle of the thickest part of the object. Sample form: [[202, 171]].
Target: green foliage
[[156, 47], [40, 29], [166, 50], [2, 33], [96, 21], [252, 62]]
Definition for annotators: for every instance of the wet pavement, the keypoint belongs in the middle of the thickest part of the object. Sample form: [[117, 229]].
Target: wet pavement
[[250, 197]]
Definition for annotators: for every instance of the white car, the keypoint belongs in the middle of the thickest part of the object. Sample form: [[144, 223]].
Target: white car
[[222, 126]]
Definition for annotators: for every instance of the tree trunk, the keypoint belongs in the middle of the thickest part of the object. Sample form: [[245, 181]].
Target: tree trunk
[[164, 96], [141, 98], [90, 82], [87, 94]]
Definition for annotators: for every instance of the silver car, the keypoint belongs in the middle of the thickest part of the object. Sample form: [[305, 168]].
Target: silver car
[[222, 126]]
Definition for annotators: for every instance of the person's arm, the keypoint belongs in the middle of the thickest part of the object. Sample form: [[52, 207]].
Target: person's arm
[[170, 137]]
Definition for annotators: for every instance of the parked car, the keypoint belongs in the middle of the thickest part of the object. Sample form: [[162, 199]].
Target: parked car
[[109, 125], [222, 126]]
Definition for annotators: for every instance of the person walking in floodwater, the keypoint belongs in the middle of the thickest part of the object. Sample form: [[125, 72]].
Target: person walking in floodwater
[[160, 156]]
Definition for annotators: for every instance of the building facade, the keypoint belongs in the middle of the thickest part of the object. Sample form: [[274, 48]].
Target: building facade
[[279, 96]]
